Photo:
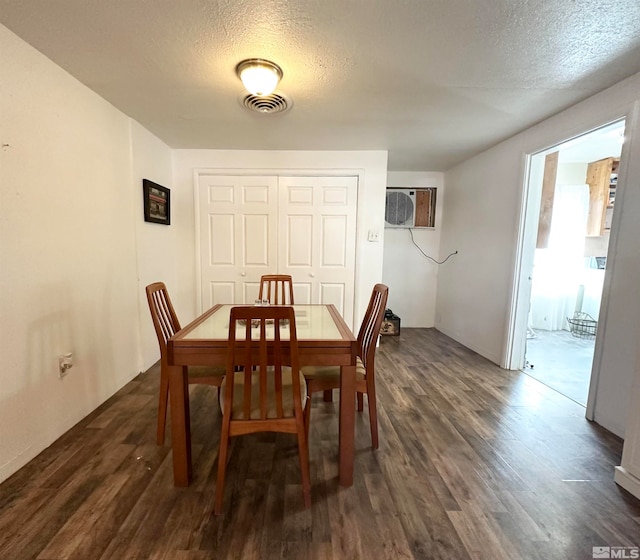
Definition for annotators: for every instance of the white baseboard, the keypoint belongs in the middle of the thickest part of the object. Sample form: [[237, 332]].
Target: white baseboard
[[628, 481]]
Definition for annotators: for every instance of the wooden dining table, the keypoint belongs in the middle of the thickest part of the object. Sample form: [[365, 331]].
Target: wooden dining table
[[323, 339]]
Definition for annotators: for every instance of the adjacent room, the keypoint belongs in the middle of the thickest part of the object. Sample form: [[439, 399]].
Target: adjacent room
[[574, 230], [308, 317]]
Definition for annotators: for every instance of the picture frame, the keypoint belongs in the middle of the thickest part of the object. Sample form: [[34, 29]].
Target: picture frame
[[157, 203]]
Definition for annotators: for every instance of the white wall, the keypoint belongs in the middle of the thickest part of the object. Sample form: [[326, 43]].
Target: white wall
[[576, 174], [571, 174], [411, 277], [371, 166], [156, 244], [483, 206], [68, 264]]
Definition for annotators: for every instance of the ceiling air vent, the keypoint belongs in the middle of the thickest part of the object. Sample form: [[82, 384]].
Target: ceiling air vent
[[266, 104]]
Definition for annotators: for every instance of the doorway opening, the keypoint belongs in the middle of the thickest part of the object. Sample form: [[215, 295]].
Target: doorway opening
[[573, 187]]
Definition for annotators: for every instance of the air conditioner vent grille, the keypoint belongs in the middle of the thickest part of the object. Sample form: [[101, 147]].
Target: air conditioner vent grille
[[399, 209]]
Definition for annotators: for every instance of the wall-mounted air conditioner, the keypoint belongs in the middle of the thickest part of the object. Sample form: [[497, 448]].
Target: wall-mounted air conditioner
[[409, 208]]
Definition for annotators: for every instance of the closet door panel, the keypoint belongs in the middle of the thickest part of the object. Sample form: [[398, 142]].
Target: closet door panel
[[299, 249], [237, 234], [317, 241]]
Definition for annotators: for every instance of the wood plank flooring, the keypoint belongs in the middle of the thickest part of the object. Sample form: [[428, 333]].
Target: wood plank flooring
[[475, 462]]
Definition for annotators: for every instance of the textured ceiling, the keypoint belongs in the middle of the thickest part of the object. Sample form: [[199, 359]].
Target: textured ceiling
[[432, 81]]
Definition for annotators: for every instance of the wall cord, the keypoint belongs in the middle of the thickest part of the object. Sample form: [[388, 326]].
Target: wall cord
[[425, 254]]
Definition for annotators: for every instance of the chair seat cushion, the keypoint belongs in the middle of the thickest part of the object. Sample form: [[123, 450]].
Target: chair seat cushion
[[332, 372], [287, 394]]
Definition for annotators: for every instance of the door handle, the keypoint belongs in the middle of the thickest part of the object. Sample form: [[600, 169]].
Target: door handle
[[243, 274], [312, 275]]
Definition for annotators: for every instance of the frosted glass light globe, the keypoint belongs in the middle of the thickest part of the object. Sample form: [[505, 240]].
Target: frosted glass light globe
[[259, 77]]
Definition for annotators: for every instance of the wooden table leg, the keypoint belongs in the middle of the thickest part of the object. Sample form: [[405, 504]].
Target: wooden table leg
[[180, 425], [347, 423]]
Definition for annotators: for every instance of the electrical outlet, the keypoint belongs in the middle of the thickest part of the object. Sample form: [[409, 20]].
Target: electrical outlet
[[374, 235], [65, 363]]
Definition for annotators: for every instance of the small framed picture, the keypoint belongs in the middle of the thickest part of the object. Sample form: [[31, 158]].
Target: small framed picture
[[157, 203]]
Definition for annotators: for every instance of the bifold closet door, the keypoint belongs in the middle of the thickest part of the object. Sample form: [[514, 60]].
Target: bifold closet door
[[238, 236], [317, 239], [254, 225]]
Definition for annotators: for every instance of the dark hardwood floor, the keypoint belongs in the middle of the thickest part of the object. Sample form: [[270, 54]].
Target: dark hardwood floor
[[474, 462]]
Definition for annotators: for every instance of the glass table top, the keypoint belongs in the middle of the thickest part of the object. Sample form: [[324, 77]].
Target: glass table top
[[313, 322]]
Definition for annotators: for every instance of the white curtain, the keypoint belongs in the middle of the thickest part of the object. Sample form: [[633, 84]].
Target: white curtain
[[559, 270]]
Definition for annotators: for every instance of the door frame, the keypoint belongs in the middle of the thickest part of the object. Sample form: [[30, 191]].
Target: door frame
[[532, 172], [359, 173]]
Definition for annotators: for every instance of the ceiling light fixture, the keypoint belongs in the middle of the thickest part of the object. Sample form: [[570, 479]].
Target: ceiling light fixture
[[259, 76]]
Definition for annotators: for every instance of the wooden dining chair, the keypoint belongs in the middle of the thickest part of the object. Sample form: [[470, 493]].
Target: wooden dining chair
[[326, 378], [166, 324], [269, 393], [277, 289]]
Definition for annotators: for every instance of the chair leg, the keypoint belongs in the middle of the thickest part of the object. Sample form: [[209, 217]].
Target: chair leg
[[162, 407], [327, 396], [303, 450], [307, 415], [222, 467], [373, 414], [360, 397]]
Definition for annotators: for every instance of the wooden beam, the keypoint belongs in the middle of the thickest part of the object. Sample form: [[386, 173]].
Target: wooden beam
[[598, 178], [546, 204]]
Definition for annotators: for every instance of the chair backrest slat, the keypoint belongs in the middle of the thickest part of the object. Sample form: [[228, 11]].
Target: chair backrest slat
[[370, 327], [165, 320], [262, 354], [277, 289]]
